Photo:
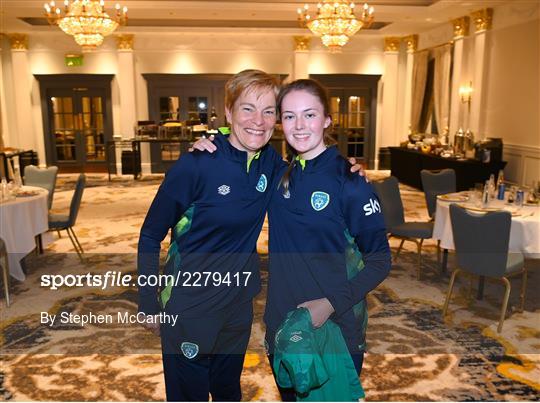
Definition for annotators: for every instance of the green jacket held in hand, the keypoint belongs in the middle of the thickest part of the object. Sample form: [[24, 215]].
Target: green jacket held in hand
[[314, 362]]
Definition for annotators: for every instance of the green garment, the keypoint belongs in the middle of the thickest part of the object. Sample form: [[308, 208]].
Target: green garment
[[315, 362]]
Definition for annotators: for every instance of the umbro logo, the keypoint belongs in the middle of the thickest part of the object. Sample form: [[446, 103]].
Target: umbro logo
[[224, 190], [372, 207], [295, 338]]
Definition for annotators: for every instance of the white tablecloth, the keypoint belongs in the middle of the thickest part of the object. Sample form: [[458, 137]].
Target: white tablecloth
[[21, 220], [524, 231]]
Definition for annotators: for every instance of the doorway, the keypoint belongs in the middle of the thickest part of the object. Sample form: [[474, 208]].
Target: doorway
[[77, 121], [191, 98], [353, 107]]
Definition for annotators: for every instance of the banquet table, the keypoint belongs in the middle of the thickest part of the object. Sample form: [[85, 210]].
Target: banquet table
[[21, 220], [524, 231]]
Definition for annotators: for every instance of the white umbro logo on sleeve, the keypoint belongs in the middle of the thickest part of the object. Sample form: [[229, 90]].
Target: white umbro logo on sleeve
[[372, 207], [224, 190]]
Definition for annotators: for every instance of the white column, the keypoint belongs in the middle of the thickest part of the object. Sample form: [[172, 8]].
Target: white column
[[389, 131], [482, 22], [25, 135], [412, 46], [461, 30], [301, 57], [126, 94], [126, 84]]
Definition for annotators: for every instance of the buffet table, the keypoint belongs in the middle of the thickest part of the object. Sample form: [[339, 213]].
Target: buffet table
[[406, 166]]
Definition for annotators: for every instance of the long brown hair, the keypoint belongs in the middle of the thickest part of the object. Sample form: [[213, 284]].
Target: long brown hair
[[316, 89]]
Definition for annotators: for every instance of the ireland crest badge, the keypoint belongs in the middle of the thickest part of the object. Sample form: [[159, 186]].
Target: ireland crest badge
[[319, 200]]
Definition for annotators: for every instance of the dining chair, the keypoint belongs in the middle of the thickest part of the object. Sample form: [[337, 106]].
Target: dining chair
[[394, 218], [481, 243], [435, 183], [5, 269], [42, 177], [58, 222]]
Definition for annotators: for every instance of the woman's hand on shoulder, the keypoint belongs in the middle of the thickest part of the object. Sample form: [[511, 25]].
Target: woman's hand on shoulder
[[204, 144], [357, 167]]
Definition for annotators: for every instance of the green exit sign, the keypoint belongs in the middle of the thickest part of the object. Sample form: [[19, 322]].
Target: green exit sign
[[74, 60]]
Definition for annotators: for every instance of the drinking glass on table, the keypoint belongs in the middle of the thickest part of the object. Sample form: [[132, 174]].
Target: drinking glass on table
[[520, 198], [478, 191], [473, 197]]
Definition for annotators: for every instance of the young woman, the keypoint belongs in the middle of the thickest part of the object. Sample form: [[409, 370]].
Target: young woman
[[214, 205], [327, 243]]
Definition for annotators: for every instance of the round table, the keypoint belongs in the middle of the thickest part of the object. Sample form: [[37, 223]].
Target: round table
[[21, 220], [524, 231]]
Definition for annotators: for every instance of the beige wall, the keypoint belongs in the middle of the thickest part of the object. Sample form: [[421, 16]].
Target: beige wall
[[511, 110], [513, 98]]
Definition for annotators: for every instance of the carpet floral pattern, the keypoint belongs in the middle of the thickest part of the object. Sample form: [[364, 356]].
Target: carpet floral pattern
[[413, 353]]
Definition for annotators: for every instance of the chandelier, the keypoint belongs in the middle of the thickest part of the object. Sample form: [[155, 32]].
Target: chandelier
[[85, 20], [335, 22]]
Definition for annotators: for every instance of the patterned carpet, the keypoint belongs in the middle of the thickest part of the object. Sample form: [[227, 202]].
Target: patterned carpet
[[413, 354]]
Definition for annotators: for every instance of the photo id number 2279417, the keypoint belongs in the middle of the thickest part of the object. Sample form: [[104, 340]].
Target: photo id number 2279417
[[208, 278]]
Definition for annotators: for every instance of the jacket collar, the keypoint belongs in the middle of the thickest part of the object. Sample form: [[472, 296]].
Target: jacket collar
[[319, 161], [223, 144]]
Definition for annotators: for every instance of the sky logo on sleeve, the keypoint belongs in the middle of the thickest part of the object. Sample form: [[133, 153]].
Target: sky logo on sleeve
[[319, 200], [372, 207], [261, 185]]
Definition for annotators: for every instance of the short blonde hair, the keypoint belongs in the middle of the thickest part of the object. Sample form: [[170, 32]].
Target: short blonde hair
[[248, 80]]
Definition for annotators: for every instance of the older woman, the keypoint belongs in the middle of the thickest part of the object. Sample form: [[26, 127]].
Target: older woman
[[214, 205]]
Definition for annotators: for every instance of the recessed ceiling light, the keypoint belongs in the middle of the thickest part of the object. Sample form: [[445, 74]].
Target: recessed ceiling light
[[429, 19]]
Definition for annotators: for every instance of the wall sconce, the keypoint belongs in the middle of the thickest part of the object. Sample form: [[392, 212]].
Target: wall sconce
[[465, 92]]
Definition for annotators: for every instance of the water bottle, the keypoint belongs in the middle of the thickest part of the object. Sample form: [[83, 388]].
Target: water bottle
[[491, 186], [500, 185], [485, 195], [520, 196]]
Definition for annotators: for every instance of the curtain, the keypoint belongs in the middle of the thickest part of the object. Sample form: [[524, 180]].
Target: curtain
[[420, 67], [441, 86]]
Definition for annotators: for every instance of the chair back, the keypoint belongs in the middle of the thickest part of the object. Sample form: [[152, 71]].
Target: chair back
[[437, 183], [76, 200], [42, 177], [481, 241], [392, 207]]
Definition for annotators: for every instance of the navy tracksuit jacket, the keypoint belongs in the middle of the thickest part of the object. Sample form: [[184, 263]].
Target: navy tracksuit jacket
[[214, 205]]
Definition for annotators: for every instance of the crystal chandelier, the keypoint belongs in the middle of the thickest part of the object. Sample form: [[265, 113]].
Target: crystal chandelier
[[335, 22], [85, 20]]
